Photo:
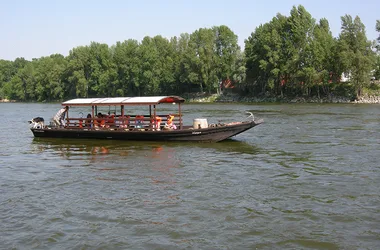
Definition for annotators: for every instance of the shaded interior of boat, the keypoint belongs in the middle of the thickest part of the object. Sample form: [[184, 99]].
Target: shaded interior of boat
[[124, 119]]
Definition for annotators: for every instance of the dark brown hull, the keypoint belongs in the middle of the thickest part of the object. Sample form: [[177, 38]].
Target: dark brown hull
[[211, 134]]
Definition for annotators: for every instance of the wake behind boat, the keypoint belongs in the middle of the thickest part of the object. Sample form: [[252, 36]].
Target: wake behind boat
[[125, 124]]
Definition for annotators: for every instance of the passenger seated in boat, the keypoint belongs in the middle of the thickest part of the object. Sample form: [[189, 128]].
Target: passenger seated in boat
[[88, 121], [169, 123], [101, 120], [96, 124], [98, 120], [123, 121], [139, 120], [156, 123], [111, 120]]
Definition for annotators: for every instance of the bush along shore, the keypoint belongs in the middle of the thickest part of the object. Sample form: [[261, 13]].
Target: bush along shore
[[228, 98], [368, 99]]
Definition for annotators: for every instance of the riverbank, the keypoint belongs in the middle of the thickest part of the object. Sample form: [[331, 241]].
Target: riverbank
[[6, 100], [199, 98], [368, 99]]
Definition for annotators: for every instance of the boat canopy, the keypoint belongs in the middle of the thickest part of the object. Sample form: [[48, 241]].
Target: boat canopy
[[118, 101]]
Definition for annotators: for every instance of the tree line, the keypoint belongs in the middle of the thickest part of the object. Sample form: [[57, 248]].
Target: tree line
[[288, 56]]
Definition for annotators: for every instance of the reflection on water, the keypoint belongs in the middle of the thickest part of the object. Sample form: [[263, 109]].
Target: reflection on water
[[68, 148], [158, 159]]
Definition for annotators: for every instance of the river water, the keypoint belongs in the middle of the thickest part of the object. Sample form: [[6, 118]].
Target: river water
[[307, 178]]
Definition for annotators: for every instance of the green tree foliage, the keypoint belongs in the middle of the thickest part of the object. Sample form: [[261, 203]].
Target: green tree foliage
[[289, 56], [79, 72], [150, 65], [356, 52], [378, 30], [7, 71], [299, 68], [21, 85], [280, 54], [238, 75], [266, 57], [322, 62], [377, 62], [227, 54], [49, 82], [211, 57], [187, 73], [203, 58], [126, 58], [296, 56], [103, 77]]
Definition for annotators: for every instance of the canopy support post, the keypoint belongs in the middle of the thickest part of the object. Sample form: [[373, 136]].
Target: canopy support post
[[92, 116], [180, 115]]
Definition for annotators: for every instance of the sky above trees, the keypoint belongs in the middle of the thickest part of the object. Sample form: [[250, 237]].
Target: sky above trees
[[32, 29]]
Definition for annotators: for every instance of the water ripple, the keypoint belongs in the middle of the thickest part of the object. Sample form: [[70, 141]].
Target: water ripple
[[306, 179]]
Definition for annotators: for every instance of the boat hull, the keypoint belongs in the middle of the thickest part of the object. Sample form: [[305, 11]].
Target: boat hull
[[211, 134]]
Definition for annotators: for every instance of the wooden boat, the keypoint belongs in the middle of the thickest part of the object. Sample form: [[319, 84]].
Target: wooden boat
[[148, 127]]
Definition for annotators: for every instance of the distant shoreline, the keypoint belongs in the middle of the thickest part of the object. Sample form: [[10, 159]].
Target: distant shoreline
[[233, 98]]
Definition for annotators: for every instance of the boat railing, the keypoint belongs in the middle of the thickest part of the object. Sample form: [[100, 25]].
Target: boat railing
[[132, 122]]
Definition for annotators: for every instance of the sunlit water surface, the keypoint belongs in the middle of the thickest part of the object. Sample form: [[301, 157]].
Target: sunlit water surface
[[308, 178]]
